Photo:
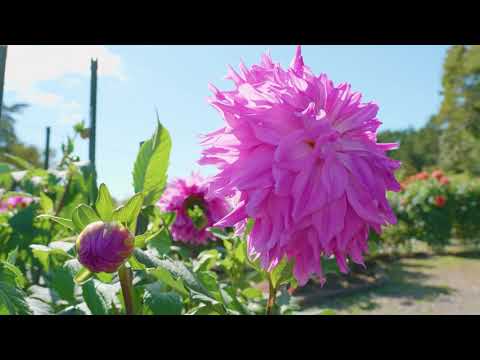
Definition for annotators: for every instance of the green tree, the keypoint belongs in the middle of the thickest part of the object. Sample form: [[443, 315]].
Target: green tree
[[9, 142], [459, 113], [418, 148], [7, 123]]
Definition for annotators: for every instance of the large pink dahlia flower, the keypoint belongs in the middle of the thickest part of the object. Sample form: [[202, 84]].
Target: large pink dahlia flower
[[301, 156], [194, 213]]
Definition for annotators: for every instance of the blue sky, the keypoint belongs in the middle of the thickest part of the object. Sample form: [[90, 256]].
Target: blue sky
[[134, 80]]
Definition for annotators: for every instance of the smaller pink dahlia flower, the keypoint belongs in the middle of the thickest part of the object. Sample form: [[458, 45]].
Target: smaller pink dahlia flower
[[104, 247], [18, 201], [194, 213], [14, 202]]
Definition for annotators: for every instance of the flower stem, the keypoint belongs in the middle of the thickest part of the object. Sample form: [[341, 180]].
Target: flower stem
[[272, 295], [126, 283], [62, 200]]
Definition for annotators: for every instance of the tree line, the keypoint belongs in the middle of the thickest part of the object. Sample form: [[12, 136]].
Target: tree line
[[9, 141]]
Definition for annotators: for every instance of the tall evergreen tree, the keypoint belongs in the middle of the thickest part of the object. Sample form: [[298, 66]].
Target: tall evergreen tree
[[459, 114], [9, 142]]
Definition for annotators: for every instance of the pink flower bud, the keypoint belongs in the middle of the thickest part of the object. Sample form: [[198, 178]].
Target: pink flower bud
[[103, 247]]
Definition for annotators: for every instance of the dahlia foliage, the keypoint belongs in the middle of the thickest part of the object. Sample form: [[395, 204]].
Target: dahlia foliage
[[301, 156], [194, 214]]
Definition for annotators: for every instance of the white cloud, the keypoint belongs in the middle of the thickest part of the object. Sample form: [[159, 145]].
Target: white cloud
[[30, 65], [41, 98]]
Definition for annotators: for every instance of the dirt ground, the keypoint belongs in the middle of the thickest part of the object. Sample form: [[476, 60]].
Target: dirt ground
[[447, 284]]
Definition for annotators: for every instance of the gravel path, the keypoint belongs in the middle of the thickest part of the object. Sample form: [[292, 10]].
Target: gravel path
[[434, 285]]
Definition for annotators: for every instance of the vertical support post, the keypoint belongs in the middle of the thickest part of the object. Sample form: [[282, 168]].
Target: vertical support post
[[3, 62], [93, 126], [47, 149]]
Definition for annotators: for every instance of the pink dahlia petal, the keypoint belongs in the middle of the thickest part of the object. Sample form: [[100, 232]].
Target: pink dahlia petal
[[300, 155]]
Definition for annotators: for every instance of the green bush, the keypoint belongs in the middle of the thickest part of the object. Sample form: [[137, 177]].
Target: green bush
[[466, 195], [435, 209]]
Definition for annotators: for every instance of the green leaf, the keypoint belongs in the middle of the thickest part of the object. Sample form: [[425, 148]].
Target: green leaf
[[82, 216], [105, 277], [5, 168], [83, 275], [160, 242], [38, 307], [161, 303], [18, 162], [282, 272], [140, 240], [219, 233], [150, 169], [12, 256], [43, 254], [128, 213], [176, 268], [66, 246], [252, 293], [62, 282], [47, 295], [330, 266], [135, 264], [14, 271], [46, 203], [249, 227], [240, 253], [22, 222], [207, 309], [145, 258], [80, 309], [104, 204], [179, 270], [206, 260], [12, 298], [229, 295], [164, 276], [210, 281], [95, 300], [168, 217], [227, 244], [65, 222]]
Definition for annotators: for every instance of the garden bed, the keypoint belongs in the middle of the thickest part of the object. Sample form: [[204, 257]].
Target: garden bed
[[359, 279]]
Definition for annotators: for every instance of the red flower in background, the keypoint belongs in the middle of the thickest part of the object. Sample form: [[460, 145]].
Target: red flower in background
[[422, 176], [438, 174], [444, 180], [440, 200]]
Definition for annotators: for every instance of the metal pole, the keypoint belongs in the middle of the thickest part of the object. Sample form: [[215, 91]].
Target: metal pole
[[93, 112], [3, 61], [47, 149], [93, 127]]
